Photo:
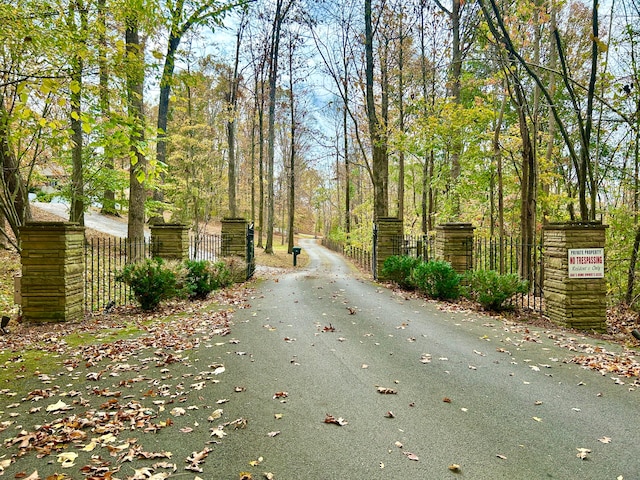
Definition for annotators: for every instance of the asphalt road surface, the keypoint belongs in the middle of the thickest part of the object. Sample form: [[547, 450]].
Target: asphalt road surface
[[497, 401]]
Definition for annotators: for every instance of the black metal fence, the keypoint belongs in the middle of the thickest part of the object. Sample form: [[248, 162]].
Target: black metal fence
[[499, 254], [105, 257], [362, 257]]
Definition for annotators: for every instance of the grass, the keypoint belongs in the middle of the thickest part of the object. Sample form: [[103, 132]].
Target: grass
[[280, 258]]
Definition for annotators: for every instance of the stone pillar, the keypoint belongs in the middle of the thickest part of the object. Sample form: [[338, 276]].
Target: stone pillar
[[52, 284], [389, 236], [170, 241], [454, 244], [574, 285], [234, 244]]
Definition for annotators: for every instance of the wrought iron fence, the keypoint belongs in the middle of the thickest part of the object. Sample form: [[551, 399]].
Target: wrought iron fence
[[501, 255], [104, 257]]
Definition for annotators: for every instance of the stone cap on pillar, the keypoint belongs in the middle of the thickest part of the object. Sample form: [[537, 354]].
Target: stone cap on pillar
[[456, 226], [595, 225]]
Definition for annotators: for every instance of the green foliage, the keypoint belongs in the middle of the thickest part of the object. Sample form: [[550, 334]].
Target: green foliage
[[398, 269], [492, 290], [151, 281], [203, 277], [437, 279]]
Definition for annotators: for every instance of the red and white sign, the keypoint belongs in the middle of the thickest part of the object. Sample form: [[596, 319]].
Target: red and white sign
[[586, 263]]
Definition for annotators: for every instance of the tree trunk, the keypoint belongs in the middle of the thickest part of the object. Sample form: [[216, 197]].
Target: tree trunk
[[135, 104], [380, 161], [273, 76], [14, 200], [76, 213], [232, 102], [109, 196], [292, 153]]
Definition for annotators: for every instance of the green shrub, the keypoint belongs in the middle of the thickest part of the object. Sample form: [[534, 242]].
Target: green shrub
[[437, 279], [398, 269], [203, 277], [492, 290], [151, 281]]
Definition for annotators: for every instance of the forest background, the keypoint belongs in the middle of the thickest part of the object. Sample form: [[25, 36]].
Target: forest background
[[320, 116]]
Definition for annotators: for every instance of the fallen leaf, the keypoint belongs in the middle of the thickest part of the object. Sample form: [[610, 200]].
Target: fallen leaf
[[280, 395], [59, 405], [583, 453], [411, 456], [398, 444], [454, 467], [278, 416], [216, 414], [255, 463], [389, 414], [387, 391], [67, 459], [425, 358], [605, 440], [447, 400], [273, 434], [502, 457], [537, 419], [336, 421]]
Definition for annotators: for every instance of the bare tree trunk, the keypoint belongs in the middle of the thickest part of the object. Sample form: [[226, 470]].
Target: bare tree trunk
[[280, 14], [232, 103], [380, 161], [76, 213], [135, 105], [292, 153], [109, 196]]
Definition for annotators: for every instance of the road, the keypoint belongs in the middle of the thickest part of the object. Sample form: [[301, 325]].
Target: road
[[92, 219], [497, 400]]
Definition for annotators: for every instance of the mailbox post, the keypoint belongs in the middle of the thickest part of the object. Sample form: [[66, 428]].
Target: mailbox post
[[296, 252]]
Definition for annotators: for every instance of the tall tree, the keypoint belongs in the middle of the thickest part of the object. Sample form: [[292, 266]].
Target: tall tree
[[282, 9], [135, 105], [377, 133], [79, 33], [182, 15]]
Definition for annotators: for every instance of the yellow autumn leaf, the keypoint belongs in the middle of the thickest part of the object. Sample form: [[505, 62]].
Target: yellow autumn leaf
[[90, 446], [67, 459]]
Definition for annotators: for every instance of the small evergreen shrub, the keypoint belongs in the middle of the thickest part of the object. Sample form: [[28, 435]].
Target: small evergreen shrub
[[203, 277], [398, 269], [492, 290], [437, 279], [151, 281]]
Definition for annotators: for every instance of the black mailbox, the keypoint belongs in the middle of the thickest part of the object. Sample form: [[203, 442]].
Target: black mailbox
[[296, 252]]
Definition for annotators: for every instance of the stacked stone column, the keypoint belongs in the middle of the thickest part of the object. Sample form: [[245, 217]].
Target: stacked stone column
[[454, 244], [170, 241], [389, 233], [52, 284], [234, 242], [573, 302]]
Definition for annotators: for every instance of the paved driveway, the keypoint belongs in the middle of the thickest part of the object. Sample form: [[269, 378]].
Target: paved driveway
[[496, 400]]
